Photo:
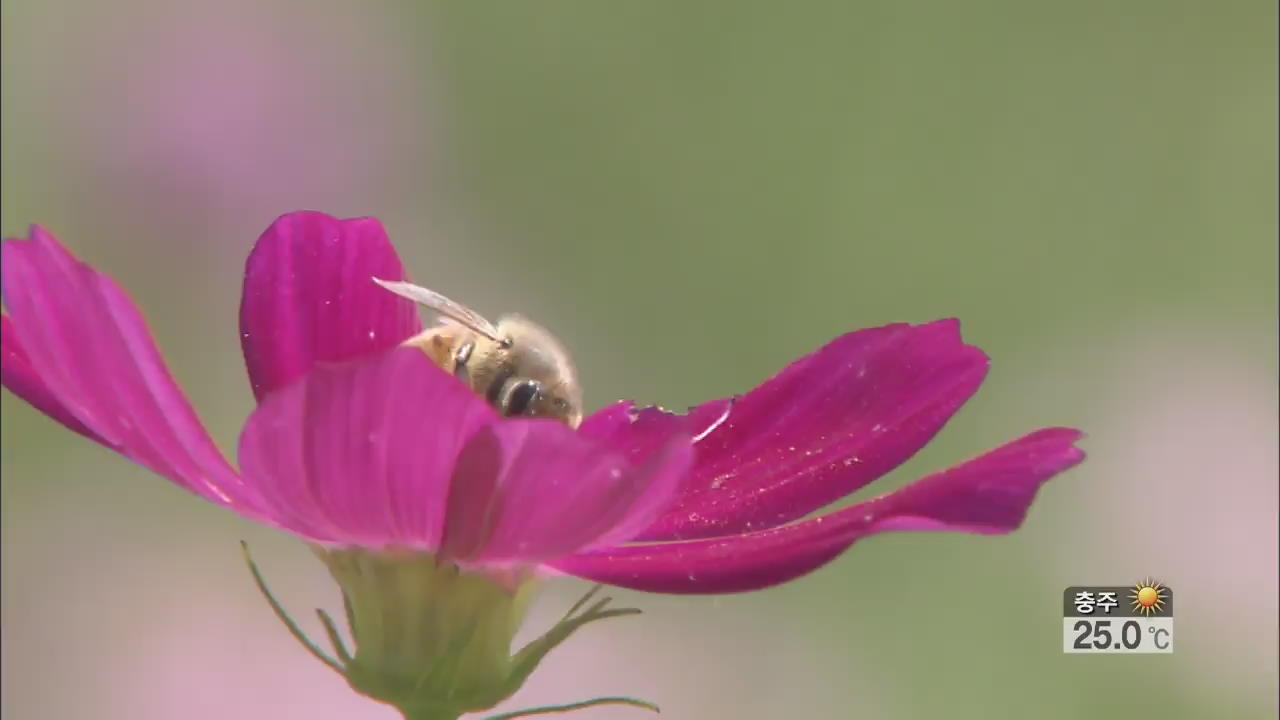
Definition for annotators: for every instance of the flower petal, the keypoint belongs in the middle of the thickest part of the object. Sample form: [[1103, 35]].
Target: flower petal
[[309, 297], [78, 349], [988, 495], [527, 491], [21, 378], [360, 453], [638, 432], [608, 421], [824, 427]]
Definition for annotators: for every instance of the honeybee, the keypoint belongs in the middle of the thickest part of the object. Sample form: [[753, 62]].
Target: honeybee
[[516, 365]]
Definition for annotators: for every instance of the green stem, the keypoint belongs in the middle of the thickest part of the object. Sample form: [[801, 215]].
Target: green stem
[[549, 709]]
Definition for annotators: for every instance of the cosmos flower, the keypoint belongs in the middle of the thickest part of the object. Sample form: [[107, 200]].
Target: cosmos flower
[[435, 514]]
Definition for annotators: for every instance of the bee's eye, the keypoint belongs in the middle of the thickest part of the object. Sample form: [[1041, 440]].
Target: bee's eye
[[460, 359], [519, 396]]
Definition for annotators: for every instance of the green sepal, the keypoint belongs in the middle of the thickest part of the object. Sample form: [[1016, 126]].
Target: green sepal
[[434, 640], [293, 628], [526, 661], [335, 637]]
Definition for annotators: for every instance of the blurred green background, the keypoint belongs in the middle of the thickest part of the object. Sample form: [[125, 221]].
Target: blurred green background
[[691, 194]]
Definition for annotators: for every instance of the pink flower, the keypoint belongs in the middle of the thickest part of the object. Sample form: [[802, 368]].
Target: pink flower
[[358, 443]]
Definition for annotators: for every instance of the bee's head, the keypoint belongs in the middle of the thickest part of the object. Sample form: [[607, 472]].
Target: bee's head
[[534, 376]]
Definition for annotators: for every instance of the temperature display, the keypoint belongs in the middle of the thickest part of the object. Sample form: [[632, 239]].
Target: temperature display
[[1118, 619]]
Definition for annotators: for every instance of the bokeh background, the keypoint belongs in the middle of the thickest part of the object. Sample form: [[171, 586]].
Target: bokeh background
[[692, 194]]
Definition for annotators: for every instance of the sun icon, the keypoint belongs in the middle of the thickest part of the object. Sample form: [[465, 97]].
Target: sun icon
[[1148, 597]]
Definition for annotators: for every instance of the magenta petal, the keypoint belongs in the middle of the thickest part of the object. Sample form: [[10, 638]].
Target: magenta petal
[[988, 495], [609, 421], [824, 427], [639, 432], [86, 357], [360, 453], [21, 378], [309, 297], [527, 491]]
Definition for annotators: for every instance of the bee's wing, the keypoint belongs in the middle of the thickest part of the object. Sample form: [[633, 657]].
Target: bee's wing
[[444, 306]]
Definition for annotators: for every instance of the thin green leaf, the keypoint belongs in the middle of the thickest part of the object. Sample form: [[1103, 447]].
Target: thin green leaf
[[335, 637], [551, 709], [284, 616], [582, 601]]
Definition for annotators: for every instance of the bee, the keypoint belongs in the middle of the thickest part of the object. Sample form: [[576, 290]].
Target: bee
[[516, 365]]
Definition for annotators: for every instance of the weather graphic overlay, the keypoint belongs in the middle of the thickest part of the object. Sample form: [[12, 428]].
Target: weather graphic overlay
[[1105, 619], [1148, 598]]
